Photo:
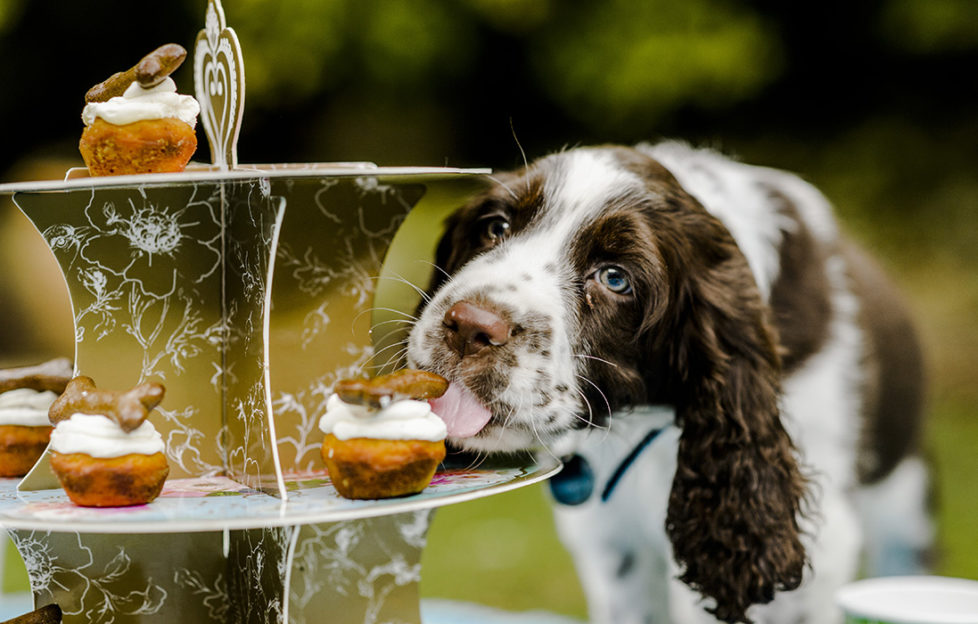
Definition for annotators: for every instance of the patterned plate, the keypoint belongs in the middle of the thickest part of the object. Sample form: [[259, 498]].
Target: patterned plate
[[217, 503]]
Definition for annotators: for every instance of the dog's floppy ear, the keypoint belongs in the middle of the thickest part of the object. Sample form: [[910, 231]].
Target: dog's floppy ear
[[735, 500]]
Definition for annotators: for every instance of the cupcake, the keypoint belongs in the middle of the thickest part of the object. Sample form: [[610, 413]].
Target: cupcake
[[104, 451], [382, 439], [25, 396], [136, 122]]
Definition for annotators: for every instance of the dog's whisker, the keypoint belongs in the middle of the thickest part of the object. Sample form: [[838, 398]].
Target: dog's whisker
[[399, 354], [405, 331], [403, 280], [590, 419], [511, 413], [502, 428], [408, 322], [396, 358], [484, 457], [447, 275], [600, 391], [395, 363], [543, 444], [393, 311], [502, 184], [536, 433], [479, 459], [596, 359], [403, 343], [512, 129], [377, 309], [589, 422], [526, 164], [606, 429]]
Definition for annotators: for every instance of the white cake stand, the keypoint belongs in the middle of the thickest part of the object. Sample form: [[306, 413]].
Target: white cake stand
[[247, 293]]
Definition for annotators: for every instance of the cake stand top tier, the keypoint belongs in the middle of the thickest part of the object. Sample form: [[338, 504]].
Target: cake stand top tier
[[78, 178]]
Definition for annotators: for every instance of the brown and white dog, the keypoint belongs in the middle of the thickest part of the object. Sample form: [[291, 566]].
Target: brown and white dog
[[736, 389]]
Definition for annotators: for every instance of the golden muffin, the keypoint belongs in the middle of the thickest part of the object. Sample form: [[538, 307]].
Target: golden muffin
[[26, 394], [146, 146], [382, 439], [21, 447], [136, 122], [132, 479], [104, 451], [363, 468]]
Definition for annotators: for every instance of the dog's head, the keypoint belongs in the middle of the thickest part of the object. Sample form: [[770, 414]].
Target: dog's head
[[590, 282]]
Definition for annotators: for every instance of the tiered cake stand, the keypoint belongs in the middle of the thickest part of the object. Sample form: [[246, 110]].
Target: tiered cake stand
[[247, 292]]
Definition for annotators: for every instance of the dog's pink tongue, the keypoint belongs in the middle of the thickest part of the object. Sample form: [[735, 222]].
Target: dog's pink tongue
[[463, 414]]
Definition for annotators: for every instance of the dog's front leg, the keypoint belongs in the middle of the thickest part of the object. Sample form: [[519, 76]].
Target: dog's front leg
[[617, 536], [625, 580]]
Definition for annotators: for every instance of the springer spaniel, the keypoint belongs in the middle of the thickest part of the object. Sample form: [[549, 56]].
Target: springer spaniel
[[734, 387]]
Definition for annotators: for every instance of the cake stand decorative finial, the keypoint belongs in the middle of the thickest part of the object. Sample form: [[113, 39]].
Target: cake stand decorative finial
[[220, 85]]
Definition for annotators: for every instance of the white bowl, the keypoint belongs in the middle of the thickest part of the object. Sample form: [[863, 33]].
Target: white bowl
[[911, 600]]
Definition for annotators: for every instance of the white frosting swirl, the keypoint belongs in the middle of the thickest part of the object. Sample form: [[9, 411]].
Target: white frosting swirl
[[139, 104], [99, 436], [26, 407], [401, 420]]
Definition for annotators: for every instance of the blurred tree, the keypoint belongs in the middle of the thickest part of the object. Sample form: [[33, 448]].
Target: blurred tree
[[518, 17], [297, 49], [9, 13], [436, 81], [50, 54], [928, 27], [620, 65], [292, 49]]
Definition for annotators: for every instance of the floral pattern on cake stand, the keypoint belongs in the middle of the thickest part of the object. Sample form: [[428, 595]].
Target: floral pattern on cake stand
[[248, 293]]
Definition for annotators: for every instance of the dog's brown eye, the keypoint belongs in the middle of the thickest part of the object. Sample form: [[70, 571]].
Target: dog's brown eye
[[614, 279], [494, 229]]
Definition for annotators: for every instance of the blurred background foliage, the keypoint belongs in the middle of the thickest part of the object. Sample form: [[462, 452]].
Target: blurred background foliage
[[873, 101]]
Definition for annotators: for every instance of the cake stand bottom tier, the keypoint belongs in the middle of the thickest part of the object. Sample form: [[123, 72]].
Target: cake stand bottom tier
[[350, 572]]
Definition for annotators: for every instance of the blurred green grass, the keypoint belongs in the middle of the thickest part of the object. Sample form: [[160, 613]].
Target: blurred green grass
[[501, 551], [14, 572], [951, 443]]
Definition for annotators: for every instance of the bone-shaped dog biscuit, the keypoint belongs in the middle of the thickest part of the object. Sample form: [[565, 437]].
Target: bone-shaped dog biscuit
[[150, 71], [48, 614], [52, 375], [128, 409], [380, 391]]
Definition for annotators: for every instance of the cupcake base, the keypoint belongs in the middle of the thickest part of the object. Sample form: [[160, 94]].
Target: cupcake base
[[363, 468], [21, 447], [150, 146], [110, 482]]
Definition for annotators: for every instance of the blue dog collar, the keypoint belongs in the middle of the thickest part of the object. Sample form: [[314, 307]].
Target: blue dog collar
[[575, 483]]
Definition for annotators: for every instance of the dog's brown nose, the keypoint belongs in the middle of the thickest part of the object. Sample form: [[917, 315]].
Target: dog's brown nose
[[472, 328]]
